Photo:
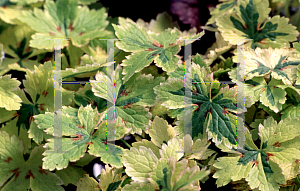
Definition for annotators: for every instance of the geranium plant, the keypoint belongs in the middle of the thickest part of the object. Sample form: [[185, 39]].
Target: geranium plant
[[148, 89]]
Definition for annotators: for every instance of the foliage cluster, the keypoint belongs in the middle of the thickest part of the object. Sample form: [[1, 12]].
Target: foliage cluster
[[150, 105]]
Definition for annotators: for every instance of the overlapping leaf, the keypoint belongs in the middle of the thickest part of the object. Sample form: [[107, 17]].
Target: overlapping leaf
[[281, 64], [64, 19], [208, 98], [110, 180], [130, 98], [250, 22], [267, 167], [217, 49], [40, 89], [74, 171], [224, 7], [80, 125], [271, 94], [18, 174], [146, 47], [164, 173], [164, 21], [16, 45]]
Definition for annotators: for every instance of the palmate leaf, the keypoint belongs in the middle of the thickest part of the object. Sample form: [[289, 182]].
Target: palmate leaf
[[267, 167], [39, 87], [16, 45], [24, 174], [80, 123], [131, 98], [208, 98], [167, 173], [271, 94], [147, 47], [64, 19], [250, 21], [280, 63], [110, 180]]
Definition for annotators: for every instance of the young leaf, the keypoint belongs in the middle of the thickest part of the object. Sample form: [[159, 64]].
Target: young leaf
[[251, 22], [21, 174], [169, 174], [111, 179], [161, 131], [134, 158]]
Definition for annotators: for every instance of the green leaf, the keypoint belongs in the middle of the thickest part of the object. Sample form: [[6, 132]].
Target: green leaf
[[161, 132], [271, 95], [16, 47], [70, 175], [277, 62], [86, 2], [87, 183], [138, 186], [171, 175], [217, 49], [111, 178], [251, 22], [163, 21], [10, 13], [208, 97], [11, 128], [222, 67], [9, 99], [24, 174], [64, 19], [147, 47], [220, 9], [39, 87], [130, 98], [135, 158], [274, 163], [79, 123]]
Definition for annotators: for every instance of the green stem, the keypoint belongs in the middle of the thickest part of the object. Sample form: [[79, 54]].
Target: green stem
[[279, 10], [127, 144], [222, 58], [201, 165], [286, 8], [255, 112]]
